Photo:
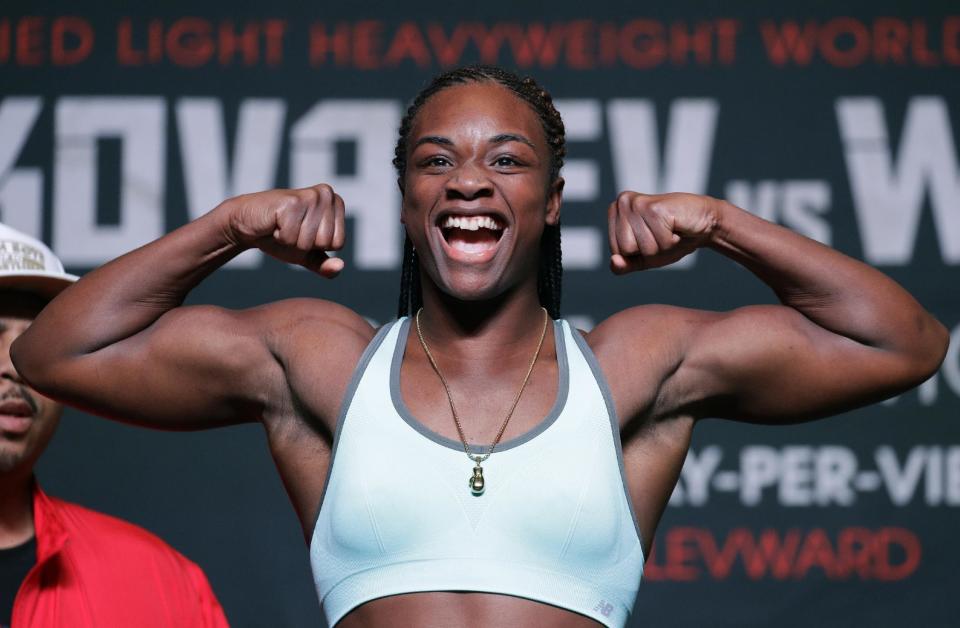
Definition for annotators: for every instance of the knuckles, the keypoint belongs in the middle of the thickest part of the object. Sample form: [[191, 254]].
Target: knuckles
[[323, 195], [633, 202], [626, 200], [630, 203], [297, 208], [304, 199], [287, 201], [317, 197], [307, 197]]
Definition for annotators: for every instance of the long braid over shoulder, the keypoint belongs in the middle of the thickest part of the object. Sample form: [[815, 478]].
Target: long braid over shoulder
[[551, 269]]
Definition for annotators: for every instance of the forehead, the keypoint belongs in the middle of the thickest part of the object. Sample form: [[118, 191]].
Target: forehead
[[485, 109]]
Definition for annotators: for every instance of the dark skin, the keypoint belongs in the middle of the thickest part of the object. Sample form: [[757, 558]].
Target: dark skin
[[844, 335], [20, 445]]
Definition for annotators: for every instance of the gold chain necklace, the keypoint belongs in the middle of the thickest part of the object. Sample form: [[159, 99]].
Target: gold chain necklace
[[476, 480]]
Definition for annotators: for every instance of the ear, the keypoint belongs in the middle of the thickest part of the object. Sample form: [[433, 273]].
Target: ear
[[554, 200]]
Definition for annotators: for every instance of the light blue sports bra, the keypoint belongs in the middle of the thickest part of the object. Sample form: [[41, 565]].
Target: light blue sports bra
[[554, 524]]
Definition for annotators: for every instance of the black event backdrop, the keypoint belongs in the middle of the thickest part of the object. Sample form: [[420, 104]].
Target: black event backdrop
[[118, 123]]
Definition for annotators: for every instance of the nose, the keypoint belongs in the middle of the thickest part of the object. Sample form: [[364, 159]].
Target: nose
[[469, 181], [7, 372]]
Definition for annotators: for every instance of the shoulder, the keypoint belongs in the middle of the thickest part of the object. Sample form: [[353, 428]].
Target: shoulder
[[661, 326], [123, 573], [310, 316], [294, 328], [271, 320], [641, 349]]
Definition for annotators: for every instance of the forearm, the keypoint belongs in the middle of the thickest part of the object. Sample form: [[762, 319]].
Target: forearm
[[836, 292]]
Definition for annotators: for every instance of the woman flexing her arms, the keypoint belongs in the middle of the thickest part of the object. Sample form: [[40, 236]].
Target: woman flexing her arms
[[369, 428]]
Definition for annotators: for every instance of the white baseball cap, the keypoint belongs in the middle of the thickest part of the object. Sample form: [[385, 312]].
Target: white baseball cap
[[28, 265]]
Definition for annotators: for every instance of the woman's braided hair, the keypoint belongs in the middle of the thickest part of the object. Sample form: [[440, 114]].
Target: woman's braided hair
[[551, 269]]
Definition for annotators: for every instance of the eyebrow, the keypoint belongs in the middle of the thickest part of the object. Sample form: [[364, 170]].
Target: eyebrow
[[510, 137], [433, 139], [496, 139]]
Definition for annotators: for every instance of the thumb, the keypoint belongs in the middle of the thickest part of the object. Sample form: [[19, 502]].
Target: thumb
[[331, 267], [319, 262], [620, 265]]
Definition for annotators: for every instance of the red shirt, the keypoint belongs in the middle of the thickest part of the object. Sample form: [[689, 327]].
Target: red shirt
[[96, 570]]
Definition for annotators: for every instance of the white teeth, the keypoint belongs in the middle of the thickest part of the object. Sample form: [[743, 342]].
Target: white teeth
[[471, 223]]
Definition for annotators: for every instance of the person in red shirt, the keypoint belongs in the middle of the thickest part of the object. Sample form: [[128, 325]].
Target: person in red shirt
[[62, 564]]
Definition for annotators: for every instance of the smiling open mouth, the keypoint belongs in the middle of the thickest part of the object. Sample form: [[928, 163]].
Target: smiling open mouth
[[471, 234]]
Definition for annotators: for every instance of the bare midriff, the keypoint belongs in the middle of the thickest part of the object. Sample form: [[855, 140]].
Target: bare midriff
[[444, 609]]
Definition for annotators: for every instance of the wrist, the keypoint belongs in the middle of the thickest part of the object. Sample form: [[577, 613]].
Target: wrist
[[726, 217], [223, 220]]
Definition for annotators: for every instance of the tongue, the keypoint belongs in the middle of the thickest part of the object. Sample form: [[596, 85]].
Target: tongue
[[472, 241]]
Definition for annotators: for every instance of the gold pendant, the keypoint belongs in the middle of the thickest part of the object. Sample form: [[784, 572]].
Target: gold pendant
[[476, 481]]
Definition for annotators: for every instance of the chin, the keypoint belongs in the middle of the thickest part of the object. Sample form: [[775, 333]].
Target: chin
[[10, 458], [482, 288], [471, 292]]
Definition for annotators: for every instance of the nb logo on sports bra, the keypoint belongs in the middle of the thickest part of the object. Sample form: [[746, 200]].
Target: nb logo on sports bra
[[604, 608]]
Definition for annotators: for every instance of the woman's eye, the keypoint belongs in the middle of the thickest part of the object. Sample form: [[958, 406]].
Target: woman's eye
[[506, 161], [436, 162]]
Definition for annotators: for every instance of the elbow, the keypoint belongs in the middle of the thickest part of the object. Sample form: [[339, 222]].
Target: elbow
[[942, 344], [28, 363], [930, 348]]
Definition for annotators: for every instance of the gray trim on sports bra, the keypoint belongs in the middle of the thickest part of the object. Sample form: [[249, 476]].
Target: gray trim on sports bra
[[358, 372], [612, 412], [563, 387]]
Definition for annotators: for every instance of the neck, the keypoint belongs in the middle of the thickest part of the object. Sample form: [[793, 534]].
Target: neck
[[16, 508], [491, 326]]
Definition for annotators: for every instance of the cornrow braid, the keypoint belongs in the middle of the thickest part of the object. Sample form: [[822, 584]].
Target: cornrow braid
[[410, 296], [550, 275], [550, 272]]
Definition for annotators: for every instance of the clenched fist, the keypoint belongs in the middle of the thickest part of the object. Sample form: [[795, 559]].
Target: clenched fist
[[294, 226], [653, 230]]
